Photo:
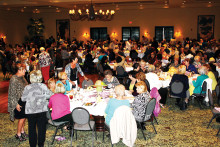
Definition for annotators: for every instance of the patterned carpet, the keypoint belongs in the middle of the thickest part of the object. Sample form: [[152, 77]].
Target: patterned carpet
[[176, 128]]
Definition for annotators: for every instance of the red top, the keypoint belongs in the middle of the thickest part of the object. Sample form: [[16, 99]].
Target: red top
[[60, 105]]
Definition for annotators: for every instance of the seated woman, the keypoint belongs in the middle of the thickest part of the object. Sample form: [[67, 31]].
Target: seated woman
[[66, 83], [104, 63], [52, 84], [211, 76], [189, 66], [110, 80], [60, 105], [143, 66], [114, 103], [140, 102], [184, 79], [199, 81], [141, 77]]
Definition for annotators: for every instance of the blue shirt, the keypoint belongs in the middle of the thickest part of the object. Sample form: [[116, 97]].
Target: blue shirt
[[67, 85], [191, 68], [198, 83], [113, 104]]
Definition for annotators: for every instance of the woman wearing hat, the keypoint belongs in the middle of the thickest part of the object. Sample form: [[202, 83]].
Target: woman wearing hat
[[44, 61]]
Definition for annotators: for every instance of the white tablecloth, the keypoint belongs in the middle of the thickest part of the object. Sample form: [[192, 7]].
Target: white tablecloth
[[98, 107], [127, 67]]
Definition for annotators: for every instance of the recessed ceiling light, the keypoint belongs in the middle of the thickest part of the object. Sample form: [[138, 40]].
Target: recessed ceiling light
[[25, 7], [49, 6], [210, 2]]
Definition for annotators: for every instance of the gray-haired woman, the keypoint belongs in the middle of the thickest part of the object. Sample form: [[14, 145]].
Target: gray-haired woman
[[36, 95]]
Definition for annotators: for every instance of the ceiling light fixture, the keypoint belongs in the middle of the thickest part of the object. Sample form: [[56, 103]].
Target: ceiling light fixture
[[91, 14]]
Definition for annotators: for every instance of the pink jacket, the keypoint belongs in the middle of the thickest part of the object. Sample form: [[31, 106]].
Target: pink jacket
[[155, 94], [60, 105]]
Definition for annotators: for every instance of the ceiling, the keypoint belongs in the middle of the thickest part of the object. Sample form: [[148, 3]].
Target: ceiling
[[30, 5]]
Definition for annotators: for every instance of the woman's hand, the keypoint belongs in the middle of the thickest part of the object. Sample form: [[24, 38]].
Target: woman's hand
[[73, 83], [18, 107], [85, 78]]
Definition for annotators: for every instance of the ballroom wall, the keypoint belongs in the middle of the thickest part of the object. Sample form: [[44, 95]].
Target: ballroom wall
[[13, 25], [184, 21]]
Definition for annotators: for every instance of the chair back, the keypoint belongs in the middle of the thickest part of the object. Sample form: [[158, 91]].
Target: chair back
[[100, 68], [80, 116], [86, 83], [148, 85], [123, 125], [48, 115], [177, 87], [120, 70], [150, 108], [210, 98], [204, 87]]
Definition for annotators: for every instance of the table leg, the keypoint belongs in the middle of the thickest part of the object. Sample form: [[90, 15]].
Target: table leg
[[99, 122]]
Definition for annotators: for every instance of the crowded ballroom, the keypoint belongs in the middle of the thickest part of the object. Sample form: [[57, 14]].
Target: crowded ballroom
[[102, 73]]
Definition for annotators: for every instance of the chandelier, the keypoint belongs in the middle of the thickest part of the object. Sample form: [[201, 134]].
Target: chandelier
[[91, 14]]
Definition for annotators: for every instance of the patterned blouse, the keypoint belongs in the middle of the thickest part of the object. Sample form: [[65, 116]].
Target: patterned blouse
[[44, 59], [16, 88], [139, 105], [36, 95], [68, 70], [111, 84]]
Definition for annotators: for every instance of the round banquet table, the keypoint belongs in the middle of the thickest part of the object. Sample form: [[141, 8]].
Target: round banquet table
[[95, 105]]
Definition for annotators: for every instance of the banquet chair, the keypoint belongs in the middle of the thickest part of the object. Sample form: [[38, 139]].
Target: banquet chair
[[177, 87], [201, 96], [82, 122], [214, 111], [87, 83], [148, 113], [106, 128], [121, 74], [58, 125], [100, 69], [122, 125]]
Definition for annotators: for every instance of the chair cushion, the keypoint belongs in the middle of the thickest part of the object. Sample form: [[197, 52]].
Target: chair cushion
[[56, 123], [215, 111], [85, 126]]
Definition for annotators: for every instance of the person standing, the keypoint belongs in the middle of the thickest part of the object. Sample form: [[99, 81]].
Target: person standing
[[35, 95], [44, 61], [16, 107]]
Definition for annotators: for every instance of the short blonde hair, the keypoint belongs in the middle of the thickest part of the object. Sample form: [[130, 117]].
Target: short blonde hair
[[60, 88], [151, 68], [61, 75], [203, 70], [182, 69], [36, 76], [51, 80], [143, 84], [197, 58], [142, 62], [120, 90]]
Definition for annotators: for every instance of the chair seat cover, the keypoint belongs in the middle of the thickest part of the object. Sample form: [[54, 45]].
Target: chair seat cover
[[54, 123], [123, 125], [85, 126]]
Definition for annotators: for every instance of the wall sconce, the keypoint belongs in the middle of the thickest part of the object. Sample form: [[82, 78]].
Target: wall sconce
[[178, 34], [114, 35], [85, 35], [3, 37], [146, 34]]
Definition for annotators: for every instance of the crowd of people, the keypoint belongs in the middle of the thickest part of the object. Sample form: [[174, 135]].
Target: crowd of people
[[33, 83]]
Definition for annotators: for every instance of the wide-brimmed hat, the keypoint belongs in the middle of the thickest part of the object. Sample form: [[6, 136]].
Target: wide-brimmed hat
[[99, 83]]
